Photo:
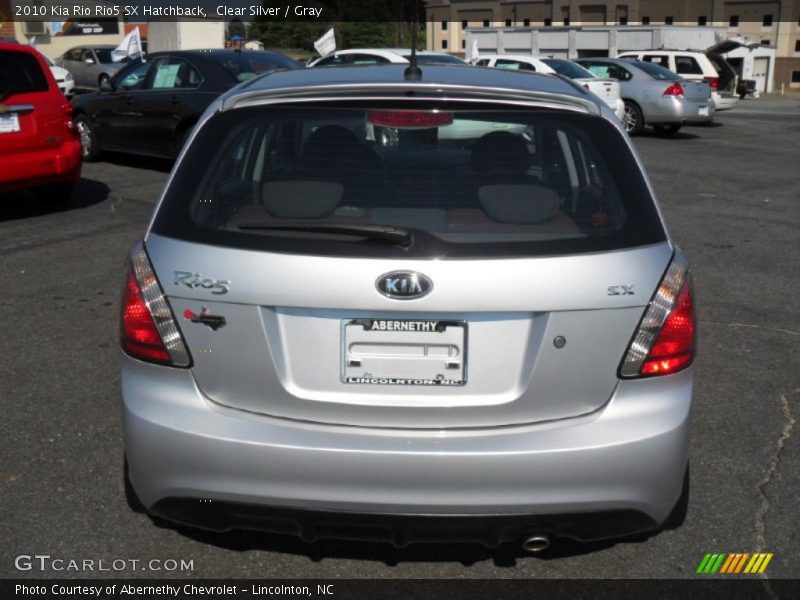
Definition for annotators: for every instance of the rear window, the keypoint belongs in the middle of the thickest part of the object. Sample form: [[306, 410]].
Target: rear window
[[457, 182], [433, 59], [657, 72], [246, 65], [20, 72]]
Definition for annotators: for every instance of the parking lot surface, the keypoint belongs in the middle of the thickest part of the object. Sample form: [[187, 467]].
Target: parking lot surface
[[730, 195]]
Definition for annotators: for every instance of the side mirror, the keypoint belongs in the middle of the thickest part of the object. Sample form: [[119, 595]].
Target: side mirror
[[88, 61], [106, 86]]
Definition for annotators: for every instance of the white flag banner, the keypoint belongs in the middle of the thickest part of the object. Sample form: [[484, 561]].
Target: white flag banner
[[473, 51], [326, 44], [32, 42], [131, 45]]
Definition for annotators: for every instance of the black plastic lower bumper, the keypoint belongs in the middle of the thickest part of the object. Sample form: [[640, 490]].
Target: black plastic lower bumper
[[400, 529]]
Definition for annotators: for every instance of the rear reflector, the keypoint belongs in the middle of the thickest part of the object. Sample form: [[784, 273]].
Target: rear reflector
[[676, 89], [410, 119], [149, 331], [664, 343]]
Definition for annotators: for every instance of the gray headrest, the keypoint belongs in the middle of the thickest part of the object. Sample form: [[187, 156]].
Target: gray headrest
[[519, 204], [302, 199]]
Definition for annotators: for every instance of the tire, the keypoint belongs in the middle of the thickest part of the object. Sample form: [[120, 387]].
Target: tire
[[634, 120], [56, 194], [88, 138], [667, 129]]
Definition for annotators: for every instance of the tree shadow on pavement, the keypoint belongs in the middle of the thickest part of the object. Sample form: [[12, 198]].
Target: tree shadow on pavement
[[25, 204]]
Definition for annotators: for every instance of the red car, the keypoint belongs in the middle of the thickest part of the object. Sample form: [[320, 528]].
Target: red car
[[40, 148]]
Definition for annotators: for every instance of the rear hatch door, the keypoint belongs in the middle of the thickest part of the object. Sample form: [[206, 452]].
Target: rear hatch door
[[528, 272]]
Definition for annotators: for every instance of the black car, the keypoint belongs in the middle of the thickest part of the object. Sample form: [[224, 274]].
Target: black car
[[150, 107]]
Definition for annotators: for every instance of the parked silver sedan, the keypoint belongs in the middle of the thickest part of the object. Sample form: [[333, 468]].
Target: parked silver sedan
[[654, 95], [90, 65]]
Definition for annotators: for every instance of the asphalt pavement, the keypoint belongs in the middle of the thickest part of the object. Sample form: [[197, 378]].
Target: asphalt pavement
[[731, 195]]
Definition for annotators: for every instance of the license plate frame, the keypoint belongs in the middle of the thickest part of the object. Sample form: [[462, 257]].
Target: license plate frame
[[404, 352], [703, 111], [9, 123]]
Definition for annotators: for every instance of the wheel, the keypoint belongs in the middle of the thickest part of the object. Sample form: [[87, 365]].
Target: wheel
[[88, 138], [667, 129], [634, 121], [56, 194]]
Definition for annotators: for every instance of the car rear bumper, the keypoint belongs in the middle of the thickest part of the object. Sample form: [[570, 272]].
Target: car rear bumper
[[197, 462], [725, 101], [25, 170], [680, 110]]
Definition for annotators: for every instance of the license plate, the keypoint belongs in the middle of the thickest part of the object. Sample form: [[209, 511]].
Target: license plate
[[9, 123], [404, 352], [703, 111]]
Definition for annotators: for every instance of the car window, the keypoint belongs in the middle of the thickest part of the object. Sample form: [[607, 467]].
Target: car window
[[367, 59], [104, 55], [657, 72], [88, 55], [19, 73], [74, 54], [567, 68], [482, 62], [605, 70], [331, 60], [657, 60], [466, 182], [246, 65], [133, 77], [687, 65], [516, 65], [433, 59], [174, 73]]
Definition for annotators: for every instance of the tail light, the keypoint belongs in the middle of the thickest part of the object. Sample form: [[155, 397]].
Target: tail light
[[713, 82], [676, 89], [410, 119], [149, 330], [69, 123], [664, 342]]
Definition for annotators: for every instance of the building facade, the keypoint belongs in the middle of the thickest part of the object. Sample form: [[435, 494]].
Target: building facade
[[772, 23]]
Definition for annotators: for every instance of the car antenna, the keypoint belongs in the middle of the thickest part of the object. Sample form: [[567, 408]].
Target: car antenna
[[413, 72]]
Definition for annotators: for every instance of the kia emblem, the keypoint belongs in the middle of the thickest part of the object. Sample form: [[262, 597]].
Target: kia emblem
[[404, 285]]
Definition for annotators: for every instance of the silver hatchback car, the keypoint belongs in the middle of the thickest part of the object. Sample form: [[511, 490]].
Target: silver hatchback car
[[411, 337]]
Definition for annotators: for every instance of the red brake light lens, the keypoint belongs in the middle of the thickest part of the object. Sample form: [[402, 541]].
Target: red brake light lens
[[664, 341], [140, 337], [713, 82], [149, 331], [676, 89], [409, 119], [674, 348]]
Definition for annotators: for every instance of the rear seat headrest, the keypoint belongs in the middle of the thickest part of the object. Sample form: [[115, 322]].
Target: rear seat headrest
[[301, 199], [519, 204], [500, 150]]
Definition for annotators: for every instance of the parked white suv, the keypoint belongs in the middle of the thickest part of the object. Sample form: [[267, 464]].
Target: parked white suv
[[608, 90], [708, 65]]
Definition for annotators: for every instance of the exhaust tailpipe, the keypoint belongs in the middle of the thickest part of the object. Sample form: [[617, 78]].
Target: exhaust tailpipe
[[535, 543]]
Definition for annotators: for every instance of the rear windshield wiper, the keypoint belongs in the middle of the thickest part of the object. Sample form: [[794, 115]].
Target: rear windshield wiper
[[386, 233]]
